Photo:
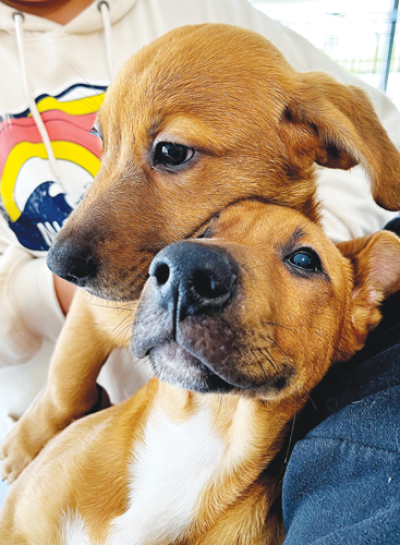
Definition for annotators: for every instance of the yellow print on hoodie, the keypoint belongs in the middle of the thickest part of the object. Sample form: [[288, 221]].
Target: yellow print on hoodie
[[33, 202]]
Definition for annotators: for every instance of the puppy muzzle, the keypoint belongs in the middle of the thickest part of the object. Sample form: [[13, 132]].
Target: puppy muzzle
[[190, 287]]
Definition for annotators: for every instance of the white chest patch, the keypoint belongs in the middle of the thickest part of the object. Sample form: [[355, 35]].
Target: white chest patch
[[73, 530], [172, 467]]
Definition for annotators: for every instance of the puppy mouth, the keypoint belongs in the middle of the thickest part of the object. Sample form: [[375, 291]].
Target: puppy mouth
[[202, 354], [194, 354], [175, 365]]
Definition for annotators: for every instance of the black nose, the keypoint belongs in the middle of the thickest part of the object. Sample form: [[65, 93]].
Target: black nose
[[71, 262], [192, 279]]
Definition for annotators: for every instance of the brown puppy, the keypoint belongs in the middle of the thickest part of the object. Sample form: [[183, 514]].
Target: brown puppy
[[247, 320], [192, 124]]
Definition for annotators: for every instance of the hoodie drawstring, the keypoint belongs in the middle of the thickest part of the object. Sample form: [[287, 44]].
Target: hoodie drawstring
[[104, 9], [18, 17], [18, 20]]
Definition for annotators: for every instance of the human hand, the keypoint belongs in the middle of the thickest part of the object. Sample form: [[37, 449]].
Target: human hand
[[65, 293]]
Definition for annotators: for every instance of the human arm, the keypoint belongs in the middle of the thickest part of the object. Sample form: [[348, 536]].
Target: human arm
[[65, 292], [90, 333], [29, 307]]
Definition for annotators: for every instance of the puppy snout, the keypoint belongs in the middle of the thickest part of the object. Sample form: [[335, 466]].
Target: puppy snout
[[191, 279], [73, 263]]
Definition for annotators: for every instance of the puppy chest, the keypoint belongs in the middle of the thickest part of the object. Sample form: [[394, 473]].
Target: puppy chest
[[172, 467]]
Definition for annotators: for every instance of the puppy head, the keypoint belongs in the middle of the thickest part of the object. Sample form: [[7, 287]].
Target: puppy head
[[262, 304], [201, 118]]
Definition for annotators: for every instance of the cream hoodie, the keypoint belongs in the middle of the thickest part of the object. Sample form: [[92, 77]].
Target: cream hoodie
[[61, 73]]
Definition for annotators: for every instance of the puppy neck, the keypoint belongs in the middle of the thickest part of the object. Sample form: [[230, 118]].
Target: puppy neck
[[240, 438]]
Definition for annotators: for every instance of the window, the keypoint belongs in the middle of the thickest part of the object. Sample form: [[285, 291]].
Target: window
[[360, 35]]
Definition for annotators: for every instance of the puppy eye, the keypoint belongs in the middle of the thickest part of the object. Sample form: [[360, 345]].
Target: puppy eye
[[171, 155], [205, 234], [305, 259], [97, 131]]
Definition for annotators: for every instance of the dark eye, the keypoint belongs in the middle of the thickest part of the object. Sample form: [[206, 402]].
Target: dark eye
[[96, 130], [206, 234], [306, 259], [170, 155]]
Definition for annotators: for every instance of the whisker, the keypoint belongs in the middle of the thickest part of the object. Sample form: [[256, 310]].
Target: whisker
[[126, 332], [272, 340], [114, 305], [118, 334], [124, 320], [271, 356], [100, 305], [341, 351], [310, 398], [263, 370], [290, 438], [260, 364], [312, 402], [278, 325], [270, 361], [267, 358]]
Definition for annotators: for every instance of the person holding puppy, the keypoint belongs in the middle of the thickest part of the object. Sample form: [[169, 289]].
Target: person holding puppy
[[59, 58]]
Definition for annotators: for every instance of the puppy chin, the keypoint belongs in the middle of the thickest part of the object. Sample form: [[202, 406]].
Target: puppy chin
[[174, 365]]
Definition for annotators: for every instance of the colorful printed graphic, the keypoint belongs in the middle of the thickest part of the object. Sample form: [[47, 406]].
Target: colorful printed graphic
[[33, 202]]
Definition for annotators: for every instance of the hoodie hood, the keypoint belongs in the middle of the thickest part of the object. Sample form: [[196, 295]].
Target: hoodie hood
[[88, 21]]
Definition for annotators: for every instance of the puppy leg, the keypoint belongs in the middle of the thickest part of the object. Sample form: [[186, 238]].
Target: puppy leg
[[90, 333]]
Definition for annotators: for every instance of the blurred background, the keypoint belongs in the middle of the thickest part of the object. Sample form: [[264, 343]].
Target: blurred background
[[360, 35]]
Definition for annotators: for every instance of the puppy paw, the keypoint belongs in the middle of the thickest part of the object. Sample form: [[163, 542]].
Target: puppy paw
[[33, 431], [16, 452]]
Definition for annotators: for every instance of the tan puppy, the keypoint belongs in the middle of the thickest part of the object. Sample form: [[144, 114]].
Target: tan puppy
[[203, 117], [247, 320]]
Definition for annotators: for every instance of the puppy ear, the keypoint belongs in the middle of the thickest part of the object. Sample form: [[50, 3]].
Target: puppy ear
[[376, 265], [336, 126]]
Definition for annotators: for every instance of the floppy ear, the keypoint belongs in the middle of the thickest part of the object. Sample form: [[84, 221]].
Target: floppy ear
[[376, 264], [336, 126]]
